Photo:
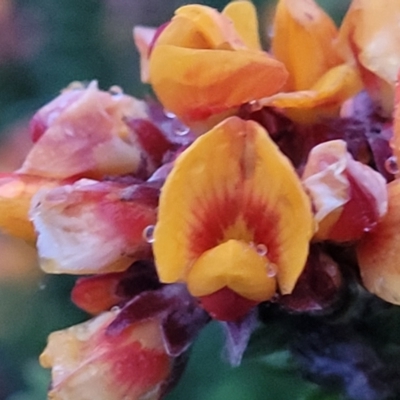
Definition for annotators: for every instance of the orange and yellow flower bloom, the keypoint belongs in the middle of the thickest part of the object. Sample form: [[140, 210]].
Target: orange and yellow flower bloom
[[230, 194]]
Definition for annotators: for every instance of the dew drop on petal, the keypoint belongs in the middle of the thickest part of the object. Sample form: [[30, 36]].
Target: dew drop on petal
[[169, 114], [115, 309], [272, 270], [116, 90], [391, 165], [255, 105], [181, 130], [262, 249], [148, 234]]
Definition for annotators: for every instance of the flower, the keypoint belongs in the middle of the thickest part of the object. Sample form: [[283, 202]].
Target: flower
[[231, 208], [199, 57], [88, 361], [349, 197], [130, 352]]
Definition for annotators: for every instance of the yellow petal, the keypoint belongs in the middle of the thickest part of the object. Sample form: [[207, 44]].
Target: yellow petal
[[303, 40], [244, 17], [195, 84], [370, 37], [233, 183], [233, 264], [322, 99], [16, 192]]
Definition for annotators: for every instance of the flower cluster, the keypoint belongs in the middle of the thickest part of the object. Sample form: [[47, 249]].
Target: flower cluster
[[260, 176]]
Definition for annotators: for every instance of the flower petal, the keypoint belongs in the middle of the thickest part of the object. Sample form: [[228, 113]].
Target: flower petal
[[16, 192], [244, 17], [303, 40], [195, 84], [226, 265], [323, 99], [370, 37], [233, 183], [378, 252]]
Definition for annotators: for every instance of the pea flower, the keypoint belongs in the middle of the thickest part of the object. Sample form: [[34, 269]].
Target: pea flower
[[232, 215], [319, 80], [199, 57], [349, 197], [131, 352]]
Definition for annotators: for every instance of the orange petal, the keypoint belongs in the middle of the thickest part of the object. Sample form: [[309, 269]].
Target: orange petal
[[379, 252], [195, 84], [233, 183], [370, 37], [322, 99], [16, 192], [244, 17], [303, 40], [395, 141]]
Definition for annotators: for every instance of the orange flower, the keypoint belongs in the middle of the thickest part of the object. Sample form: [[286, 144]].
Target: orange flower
[[303, 39], [205, 63], [378, 252], [90, 362], [233, 215], [369, 38]]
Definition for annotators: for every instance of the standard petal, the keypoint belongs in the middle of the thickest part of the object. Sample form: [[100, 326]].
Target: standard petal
[[233, 183], [195, 84]]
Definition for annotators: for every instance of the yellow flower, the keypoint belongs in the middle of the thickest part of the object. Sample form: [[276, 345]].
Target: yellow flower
[[233, 215], [205, 63]]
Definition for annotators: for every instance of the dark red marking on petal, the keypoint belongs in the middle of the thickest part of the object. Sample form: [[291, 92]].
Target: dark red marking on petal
[[226, 305]]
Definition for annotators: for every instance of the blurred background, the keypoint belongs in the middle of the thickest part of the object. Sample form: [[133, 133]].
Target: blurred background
[[45, 45]]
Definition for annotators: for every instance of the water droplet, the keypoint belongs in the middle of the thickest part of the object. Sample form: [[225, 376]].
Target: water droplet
[[42, 286], [262, 249], [181, 130], [391, 165], [115, 309], [148, 234], [169, 114], [272, 270], [255, 105], [116, 90]]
